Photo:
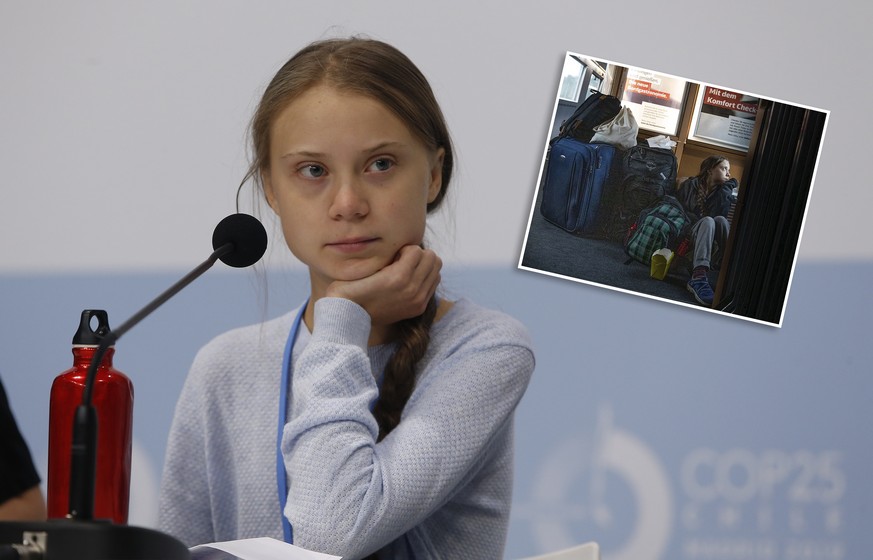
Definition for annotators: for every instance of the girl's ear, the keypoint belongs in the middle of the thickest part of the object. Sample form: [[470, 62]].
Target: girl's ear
[[268, 190], [436, 175]]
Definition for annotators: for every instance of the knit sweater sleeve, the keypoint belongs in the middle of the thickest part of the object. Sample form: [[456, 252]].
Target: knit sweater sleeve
[[349, 495], [185, 510]]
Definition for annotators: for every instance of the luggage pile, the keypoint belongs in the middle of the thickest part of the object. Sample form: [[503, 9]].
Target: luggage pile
[[595, 189]]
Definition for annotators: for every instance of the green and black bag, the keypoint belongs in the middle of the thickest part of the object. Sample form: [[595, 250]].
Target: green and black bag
[[659, 226]]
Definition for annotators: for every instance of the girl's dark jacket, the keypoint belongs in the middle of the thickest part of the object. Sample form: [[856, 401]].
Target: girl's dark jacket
[[718, 203]]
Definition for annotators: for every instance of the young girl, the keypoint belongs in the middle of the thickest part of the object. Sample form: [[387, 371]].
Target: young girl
[[377, 419], [707, 201]]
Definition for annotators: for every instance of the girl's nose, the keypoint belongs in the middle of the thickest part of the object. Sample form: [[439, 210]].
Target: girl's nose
[[349, 201]]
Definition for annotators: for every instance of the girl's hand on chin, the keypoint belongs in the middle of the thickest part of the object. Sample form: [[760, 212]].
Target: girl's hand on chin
[[399, 291]]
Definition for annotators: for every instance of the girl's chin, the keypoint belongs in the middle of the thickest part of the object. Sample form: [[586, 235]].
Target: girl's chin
[[349, 272]]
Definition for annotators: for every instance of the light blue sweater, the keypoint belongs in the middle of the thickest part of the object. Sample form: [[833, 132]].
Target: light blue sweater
[[438, 486]]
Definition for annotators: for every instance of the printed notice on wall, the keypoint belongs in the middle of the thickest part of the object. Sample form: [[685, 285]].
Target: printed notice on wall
[[655, 99], [725, 117]]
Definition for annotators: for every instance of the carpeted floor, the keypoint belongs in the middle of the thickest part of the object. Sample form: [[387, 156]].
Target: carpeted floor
[[551, 249]]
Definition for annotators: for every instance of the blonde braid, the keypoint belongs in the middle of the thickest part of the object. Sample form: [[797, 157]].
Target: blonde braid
[[413, 337]]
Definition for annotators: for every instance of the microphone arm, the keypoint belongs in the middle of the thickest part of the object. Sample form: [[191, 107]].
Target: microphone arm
[[239, 240], [113, 335]]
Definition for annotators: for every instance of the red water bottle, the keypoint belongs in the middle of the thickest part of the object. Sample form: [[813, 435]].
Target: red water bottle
[[112, 397]]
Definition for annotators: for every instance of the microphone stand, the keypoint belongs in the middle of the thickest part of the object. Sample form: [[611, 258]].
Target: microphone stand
[[239, 240], [83, 466]]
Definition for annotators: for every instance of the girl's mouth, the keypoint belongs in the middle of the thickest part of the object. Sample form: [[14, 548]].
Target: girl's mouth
[[352, 244]]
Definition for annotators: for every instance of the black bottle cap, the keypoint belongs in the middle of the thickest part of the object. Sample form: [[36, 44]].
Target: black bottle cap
[[88, 336]]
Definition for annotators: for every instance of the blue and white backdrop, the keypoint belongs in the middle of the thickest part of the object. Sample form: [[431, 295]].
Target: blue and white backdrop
[[657, 430]]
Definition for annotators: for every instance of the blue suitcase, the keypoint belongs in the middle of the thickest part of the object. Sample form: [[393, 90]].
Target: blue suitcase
[[575, 175]]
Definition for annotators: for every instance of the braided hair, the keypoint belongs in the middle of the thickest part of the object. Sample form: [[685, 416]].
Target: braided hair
[[703, 185]]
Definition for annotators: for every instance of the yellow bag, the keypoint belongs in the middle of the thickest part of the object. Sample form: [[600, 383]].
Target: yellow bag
[[661, 261]]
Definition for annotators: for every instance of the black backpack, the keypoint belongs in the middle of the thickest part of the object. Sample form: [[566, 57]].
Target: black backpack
[[596, 109], [646, 175]]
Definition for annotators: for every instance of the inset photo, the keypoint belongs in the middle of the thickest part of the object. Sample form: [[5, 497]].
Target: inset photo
[[674, 189]]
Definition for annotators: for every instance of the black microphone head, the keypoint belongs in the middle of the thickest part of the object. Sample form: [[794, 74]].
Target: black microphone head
[[246, 234]]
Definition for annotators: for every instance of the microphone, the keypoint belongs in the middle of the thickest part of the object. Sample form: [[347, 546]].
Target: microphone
[[239, 240], [247, 236]]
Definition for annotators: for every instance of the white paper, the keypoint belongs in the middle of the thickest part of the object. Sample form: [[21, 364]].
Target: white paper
[[264, 548], [661, 141]]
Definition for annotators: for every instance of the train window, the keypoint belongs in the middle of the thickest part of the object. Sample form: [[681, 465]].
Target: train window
[[571, 79], [580, 77]]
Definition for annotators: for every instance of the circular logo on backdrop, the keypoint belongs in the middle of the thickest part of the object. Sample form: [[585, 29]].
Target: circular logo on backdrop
[[612, 489]]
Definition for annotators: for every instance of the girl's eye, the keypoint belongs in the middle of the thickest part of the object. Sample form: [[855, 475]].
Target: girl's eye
[[312, 171], [381, 164]]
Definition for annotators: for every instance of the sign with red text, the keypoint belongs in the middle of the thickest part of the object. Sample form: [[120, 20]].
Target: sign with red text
[[655, 99], [725, 117]]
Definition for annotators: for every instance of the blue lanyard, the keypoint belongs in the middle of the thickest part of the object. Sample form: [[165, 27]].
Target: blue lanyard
[[281, 475]]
